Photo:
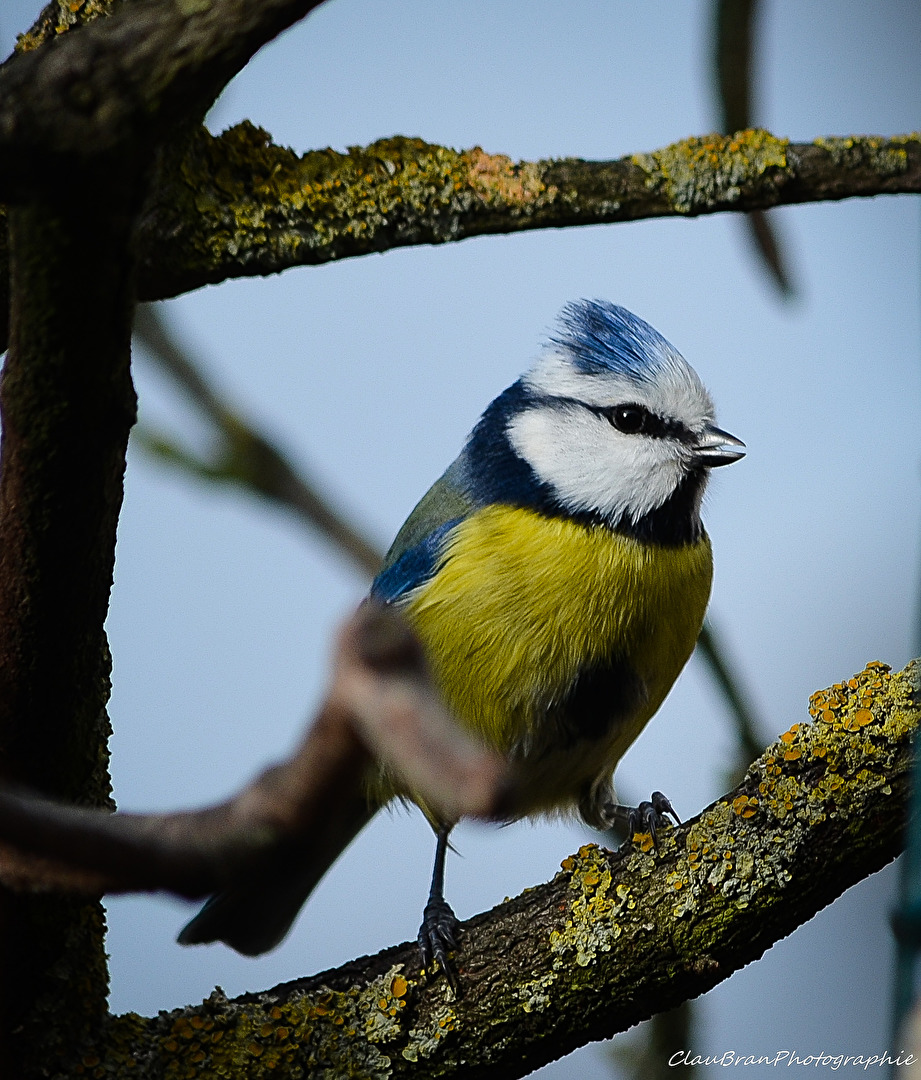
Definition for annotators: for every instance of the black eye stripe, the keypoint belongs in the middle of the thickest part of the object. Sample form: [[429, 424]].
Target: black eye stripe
[[653, 425]]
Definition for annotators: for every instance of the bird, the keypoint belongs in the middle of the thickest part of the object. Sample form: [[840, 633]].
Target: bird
[[557, 576]]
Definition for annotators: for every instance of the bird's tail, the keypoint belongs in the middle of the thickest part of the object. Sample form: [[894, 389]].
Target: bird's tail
[[255, 915]]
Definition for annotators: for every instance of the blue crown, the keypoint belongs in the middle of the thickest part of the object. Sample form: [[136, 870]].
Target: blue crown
[[603, 338]]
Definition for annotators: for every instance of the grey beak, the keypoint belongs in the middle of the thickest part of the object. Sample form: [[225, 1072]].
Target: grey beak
[[718, 447]]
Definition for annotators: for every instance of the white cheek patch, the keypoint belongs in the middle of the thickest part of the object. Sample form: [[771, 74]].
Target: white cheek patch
[[591, 466]]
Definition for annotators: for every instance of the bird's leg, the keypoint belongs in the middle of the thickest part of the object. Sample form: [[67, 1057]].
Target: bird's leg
[[647, 817], [438, 932]]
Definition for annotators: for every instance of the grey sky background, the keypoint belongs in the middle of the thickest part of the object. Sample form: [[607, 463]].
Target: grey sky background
[[372, 371]]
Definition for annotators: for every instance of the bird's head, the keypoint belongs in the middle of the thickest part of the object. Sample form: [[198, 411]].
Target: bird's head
[[611, 423]]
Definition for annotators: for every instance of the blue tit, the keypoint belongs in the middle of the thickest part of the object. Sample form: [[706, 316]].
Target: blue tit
[[557, 576]]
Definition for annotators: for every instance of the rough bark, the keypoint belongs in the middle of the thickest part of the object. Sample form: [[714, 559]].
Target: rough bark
[[611, 940], [237, 205], [82, 97], [67, 405], [81, 119]]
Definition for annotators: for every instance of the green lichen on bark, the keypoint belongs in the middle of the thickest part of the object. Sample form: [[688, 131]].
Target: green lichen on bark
[[612, 939], [700, 173], [258, 201], [321, 1033], [886, 157], [236, 205]]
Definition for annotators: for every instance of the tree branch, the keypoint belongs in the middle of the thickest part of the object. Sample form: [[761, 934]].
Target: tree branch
[[381, 707], [242, 454], [237, 205], [747, 726], [67, 404], [90, 107], [733, 70], [123, 81], [611, 940]]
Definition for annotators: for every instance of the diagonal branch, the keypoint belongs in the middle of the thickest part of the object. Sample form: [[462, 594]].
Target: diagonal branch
[[611, 940], [711, 649], [380, 707], [243, 455]]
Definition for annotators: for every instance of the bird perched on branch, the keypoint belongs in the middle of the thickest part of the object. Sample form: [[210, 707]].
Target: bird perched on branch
[[557, 576]]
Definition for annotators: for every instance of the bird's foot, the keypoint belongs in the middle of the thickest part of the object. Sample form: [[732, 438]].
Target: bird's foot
[[438, 934], [648, 817]]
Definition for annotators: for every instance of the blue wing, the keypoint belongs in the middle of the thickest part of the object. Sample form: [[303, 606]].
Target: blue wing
[[413, 568], [414, 554]]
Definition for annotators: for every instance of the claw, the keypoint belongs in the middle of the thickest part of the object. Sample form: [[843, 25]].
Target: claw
[[649, 816], [663, 806], [438, 934]]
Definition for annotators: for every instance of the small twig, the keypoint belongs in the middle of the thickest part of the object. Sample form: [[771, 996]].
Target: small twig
[[243, 455], [747, 726]]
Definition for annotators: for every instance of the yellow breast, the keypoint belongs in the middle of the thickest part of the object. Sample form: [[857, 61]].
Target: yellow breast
[[521, 603]]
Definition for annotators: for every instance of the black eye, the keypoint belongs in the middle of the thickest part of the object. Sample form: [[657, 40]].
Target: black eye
[[630, 419]]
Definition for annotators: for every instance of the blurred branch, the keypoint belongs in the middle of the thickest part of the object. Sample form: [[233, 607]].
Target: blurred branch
[[713, 653], [381, 707], [242, 455], [733, 61], [611, 940], [646, 1052]]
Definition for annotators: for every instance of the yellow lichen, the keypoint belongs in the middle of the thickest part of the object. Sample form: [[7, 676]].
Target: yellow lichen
[[885, 156], [61, 16], [590, 927], [425, 1039], [745, 806], [699, 173], [251, 193], [321, 1033]]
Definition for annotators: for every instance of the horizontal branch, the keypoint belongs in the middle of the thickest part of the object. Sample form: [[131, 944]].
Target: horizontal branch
[[237, 205], [381, 707], [611, 940]]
